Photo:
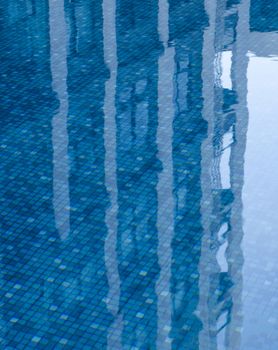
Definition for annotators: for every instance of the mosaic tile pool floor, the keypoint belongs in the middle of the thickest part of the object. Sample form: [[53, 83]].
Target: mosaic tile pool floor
[[139, 172]]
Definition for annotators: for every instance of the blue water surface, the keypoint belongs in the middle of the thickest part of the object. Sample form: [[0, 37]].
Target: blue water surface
[[139, 174]]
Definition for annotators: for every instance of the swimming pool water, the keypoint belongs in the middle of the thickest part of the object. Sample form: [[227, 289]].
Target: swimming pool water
[[139, 174]]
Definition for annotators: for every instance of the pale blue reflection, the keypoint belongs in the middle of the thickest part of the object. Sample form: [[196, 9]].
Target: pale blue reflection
[[165, 200], [59, 70], [110, 56]]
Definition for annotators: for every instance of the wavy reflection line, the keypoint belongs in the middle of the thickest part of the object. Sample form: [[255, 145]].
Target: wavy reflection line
[[165, 215], [59, 71], [110, 55]]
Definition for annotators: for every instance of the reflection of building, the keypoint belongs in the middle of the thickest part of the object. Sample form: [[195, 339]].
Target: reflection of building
[[64, 249], [220, 305], [186, 35], [138, 49], [78, 284]]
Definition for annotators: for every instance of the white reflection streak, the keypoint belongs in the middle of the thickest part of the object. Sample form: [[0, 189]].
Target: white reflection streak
[[110, 55], [58, 54], [165, 215]]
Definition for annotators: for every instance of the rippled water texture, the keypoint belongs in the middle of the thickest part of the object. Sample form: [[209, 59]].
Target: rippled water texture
[[139, 169]]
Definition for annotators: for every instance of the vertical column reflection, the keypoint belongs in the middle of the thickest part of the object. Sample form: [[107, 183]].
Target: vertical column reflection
[[188, 21], [110, 56], [165, 212], [77, 287], [58, 57], [234, 254], [222, 168], [207, 156]]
